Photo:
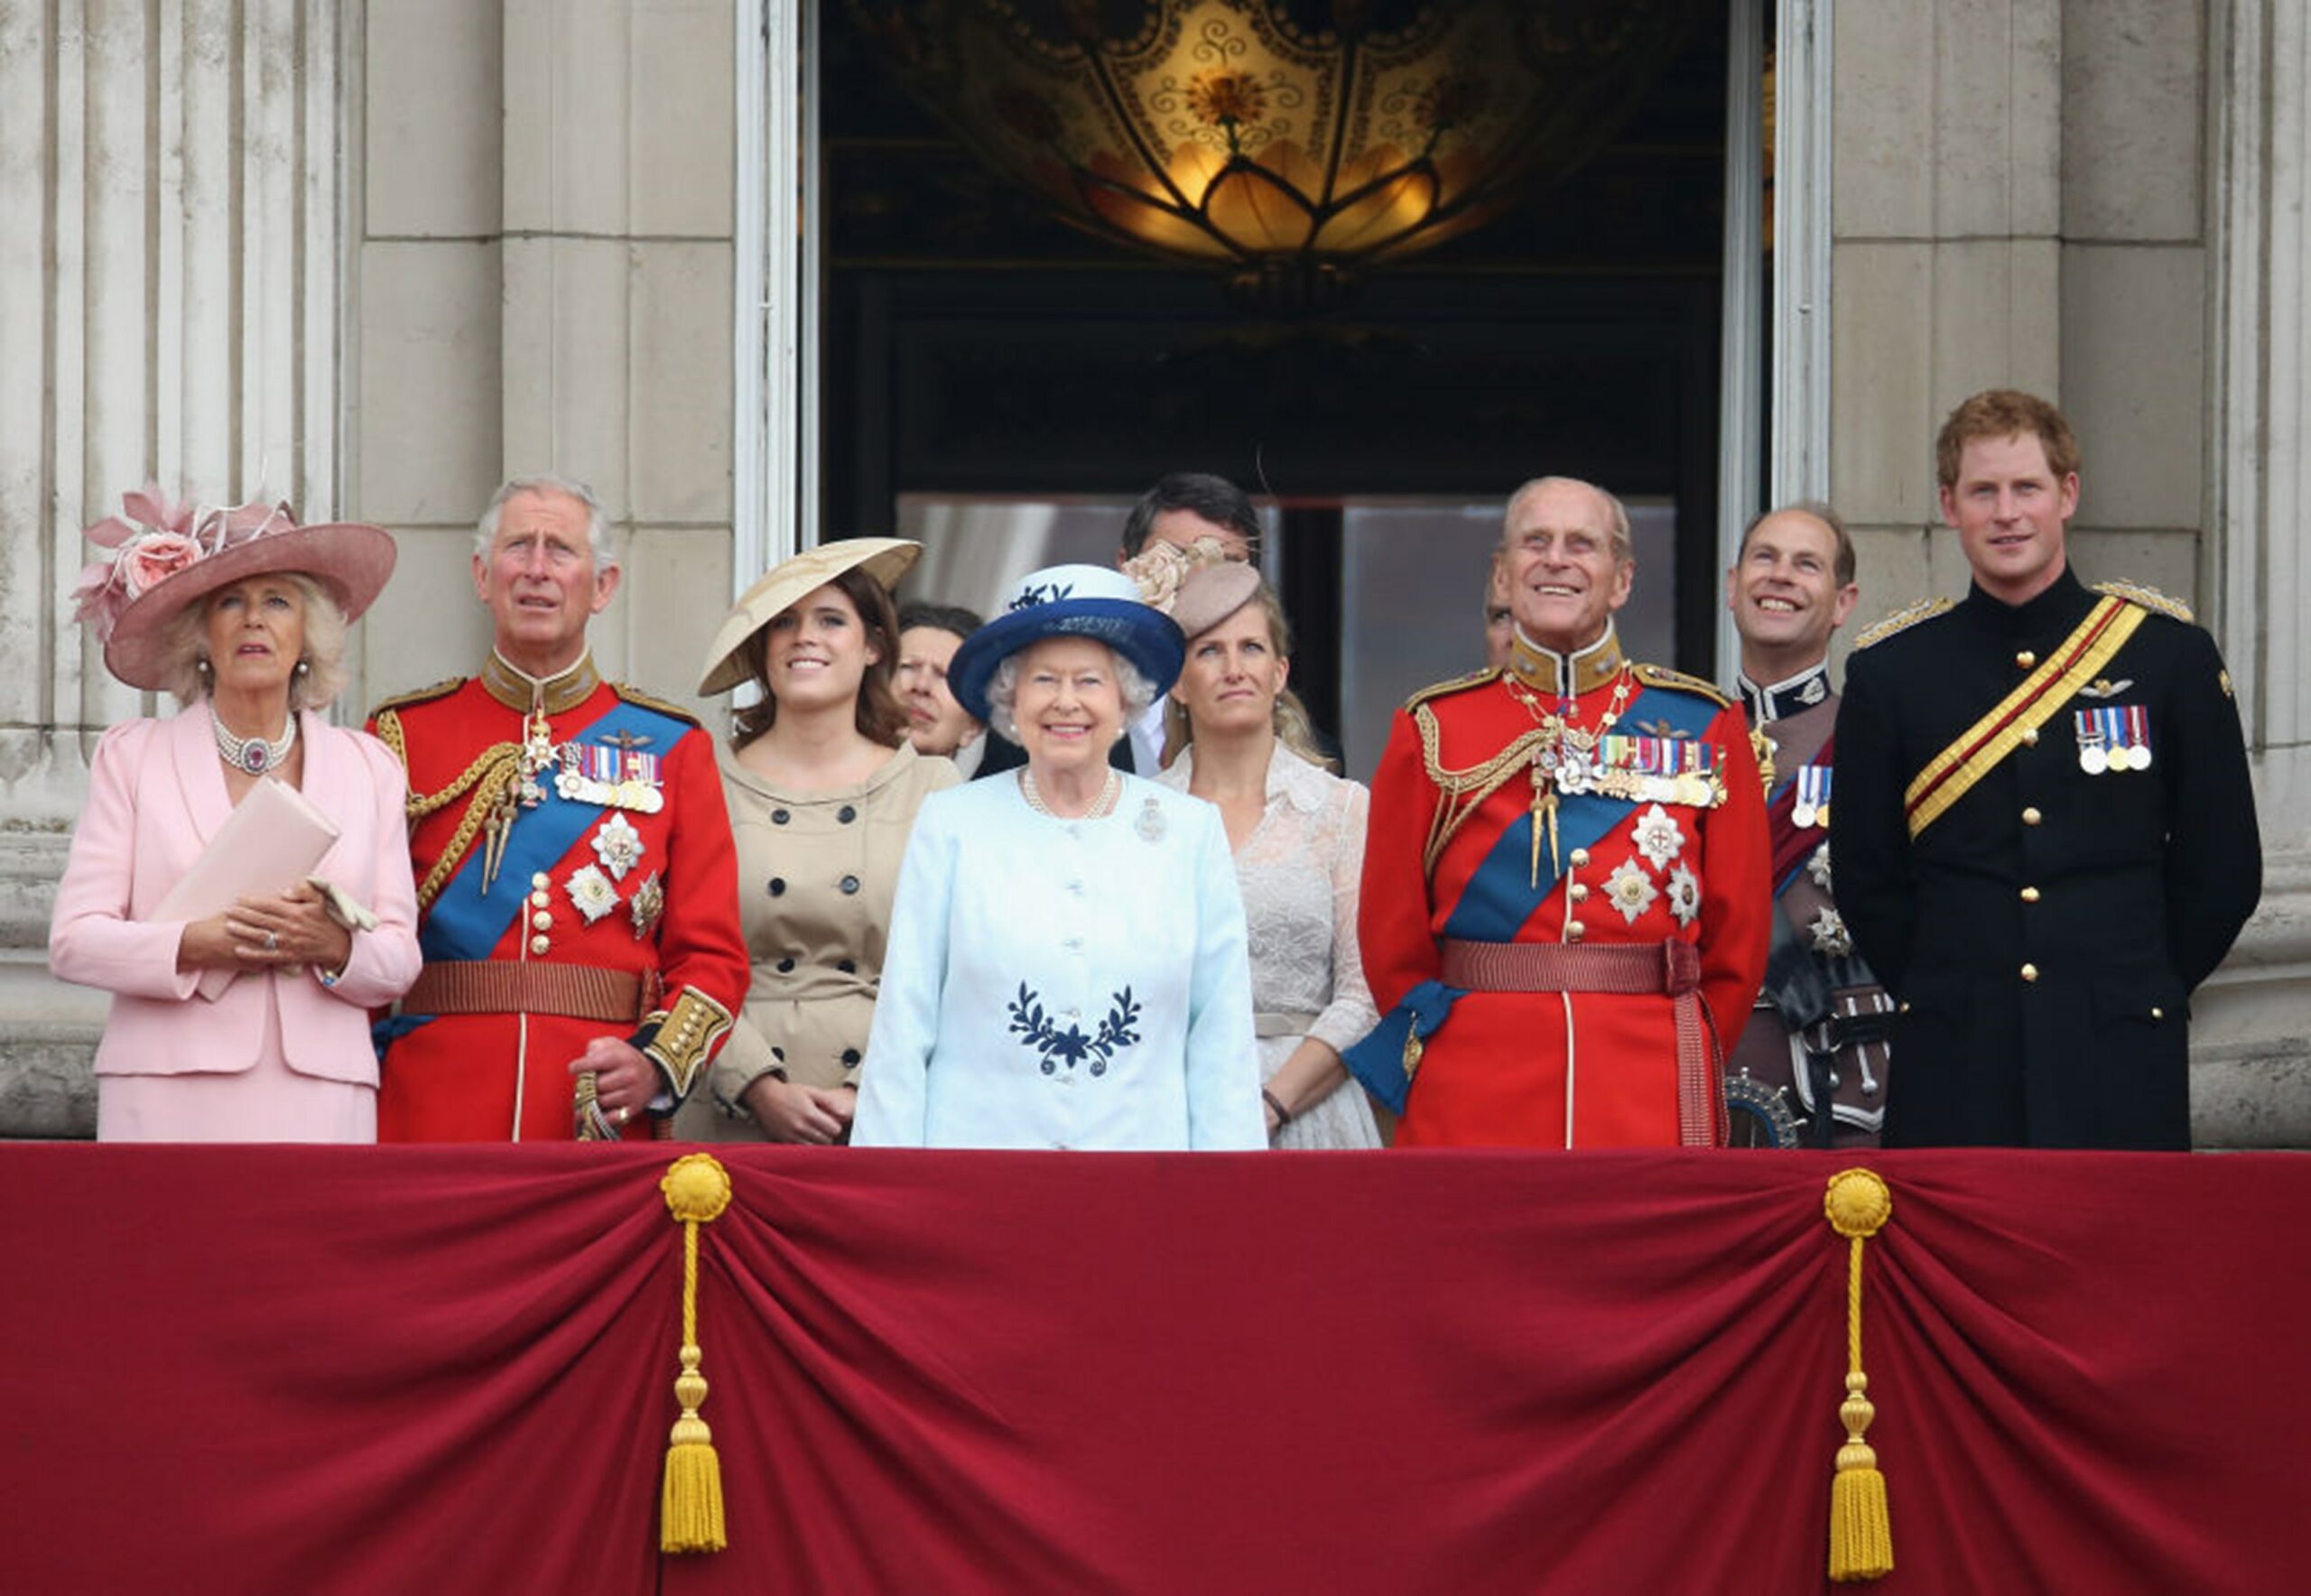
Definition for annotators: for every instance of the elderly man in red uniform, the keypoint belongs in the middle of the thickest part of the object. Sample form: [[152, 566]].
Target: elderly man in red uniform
[[576, 884], [1565, 900]]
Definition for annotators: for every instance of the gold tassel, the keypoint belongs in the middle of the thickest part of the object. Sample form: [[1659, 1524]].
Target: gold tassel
[[697, 1189], [1862, 1535]]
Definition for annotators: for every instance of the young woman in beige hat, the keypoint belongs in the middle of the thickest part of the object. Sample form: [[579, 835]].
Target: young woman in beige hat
[[241, 614], [822, 787]]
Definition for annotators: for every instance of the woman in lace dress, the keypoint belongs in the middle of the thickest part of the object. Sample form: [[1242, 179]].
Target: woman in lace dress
[[1297, 833]]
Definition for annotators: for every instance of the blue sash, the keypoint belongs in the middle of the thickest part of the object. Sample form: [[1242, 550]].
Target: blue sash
[[1504, 893], [466, 920]]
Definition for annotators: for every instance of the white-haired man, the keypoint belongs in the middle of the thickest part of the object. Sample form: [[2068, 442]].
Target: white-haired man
[[577, 883], [1565, 905]]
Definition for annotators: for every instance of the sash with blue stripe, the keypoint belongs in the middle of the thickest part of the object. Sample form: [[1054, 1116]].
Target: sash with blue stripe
[[469, 919], [1504, 893]]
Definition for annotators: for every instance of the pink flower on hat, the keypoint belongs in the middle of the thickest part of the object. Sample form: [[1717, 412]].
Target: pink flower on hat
[[1160, 568], [153, 538], [154, 558]]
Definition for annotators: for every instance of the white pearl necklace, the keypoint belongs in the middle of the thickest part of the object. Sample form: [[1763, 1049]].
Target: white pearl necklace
[[255, 756], [1104, 804]]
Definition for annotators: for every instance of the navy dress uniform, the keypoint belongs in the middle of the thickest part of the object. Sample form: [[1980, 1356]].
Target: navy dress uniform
[[2044, 840]]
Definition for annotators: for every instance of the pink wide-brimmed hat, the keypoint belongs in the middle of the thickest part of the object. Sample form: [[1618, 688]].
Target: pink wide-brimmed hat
[[165, 556]]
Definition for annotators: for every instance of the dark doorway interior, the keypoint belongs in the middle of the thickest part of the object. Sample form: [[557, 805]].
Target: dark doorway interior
[[974, 346]]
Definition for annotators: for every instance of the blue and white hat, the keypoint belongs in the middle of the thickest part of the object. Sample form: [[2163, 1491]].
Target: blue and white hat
[[1069, 601]]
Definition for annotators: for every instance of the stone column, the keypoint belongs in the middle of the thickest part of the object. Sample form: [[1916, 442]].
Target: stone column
[[1947, 215], [2250, 1041], [546, 260], [169, 248]]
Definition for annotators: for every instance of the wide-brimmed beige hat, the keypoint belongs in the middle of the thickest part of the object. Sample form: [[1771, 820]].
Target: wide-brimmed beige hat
[[166, 556], [784, 585]]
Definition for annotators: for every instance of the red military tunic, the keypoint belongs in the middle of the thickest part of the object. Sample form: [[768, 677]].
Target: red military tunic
[[617, 885], [1665, 840]]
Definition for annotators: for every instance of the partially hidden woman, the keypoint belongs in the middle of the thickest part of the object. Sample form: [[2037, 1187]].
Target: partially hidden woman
[[822, 786], [1067, 964], [241, 614], [929, 635], [1297, 834]]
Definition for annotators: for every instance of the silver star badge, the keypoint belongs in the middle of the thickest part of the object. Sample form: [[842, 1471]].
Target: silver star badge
[[1829, 935], [591, 892], [619, 846]]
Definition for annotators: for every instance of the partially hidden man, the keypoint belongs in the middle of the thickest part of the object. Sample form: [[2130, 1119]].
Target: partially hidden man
[[1812, 1066], [576, 881], [1566, 903], [2043, 829]]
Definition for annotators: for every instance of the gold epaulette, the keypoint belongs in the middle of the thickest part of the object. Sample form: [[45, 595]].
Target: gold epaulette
[[1678, 682], [2149, 597], [635, 695], [1439, 689], [1761, 747], [1901, 620], [424, 695]]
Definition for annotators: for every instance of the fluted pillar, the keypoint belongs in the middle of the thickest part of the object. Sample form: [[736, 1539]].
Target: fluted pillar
[[170, 234]]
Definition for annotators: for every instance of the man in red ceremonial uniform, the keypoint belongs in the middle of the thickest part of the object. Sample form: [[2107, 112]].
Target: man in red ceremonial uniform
[[1566, 894], [576, 884]]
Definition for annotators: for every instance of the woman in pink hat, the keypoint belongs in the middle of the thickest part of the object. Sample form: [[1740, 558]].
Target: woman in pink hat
[[249, 1022]]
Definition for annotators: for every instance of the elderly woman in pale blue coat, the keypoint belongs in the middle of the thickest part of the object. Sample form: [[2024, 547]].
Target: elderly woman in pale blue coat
[[1066, 965]]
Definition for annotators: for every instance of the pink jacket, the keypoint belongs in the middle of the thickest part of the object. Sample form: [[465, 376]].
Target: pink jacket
[[156, 796]]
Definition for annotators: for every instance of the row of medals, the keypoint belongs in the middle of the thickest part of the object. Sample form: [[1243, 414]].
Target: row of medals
[[539, 752], [1570, 763], [2097, 755]]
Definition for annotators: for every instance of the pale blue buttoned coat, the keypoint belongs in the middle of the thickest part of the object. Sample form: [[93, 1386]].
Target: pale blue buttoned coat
[[1057, 983]]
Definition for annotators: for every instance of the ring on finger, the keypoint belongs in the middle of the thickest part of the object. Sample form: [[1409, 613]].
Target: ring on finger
[[273, 942]]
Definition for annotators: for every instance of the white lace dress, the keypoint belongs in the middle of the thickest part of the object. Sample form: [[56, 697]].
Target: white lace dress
[[1300, 870]]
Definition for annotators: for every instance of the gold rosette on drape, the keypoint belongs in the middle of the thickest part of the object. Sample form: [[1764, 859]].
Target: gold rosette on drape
[[697, 1189], [1862, 1536]]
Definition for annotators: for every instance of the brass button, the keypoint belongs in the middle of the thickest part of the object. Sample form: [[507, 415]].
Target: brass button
[[1905, 1008], [1577, 893], [2030, 973], [542, 921], [2025, 659], [541, 881], [2157, 1013], [539, 900], [539, 944], [1580, 857], [2030, 895], [2029, 737], [1574, 931], [2031, 817]]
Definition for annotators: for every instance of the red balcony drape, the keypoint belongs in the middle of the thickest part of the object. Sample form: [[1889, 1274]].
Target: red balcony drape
[[397, 1370]]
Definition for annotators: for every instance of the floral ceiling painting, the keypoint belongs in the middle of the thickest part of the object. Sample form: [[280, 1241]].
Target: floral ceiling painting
[[1289, 142]]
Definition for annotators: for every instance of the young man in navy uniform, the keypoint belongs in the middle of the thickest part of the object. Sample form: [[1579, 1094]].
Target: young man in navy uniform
[[2044, 832]]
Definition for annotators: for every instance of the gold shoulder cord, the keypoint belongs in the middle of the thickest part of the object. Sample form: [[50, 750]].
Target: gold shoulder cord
[[1459, 792], [489, 777]]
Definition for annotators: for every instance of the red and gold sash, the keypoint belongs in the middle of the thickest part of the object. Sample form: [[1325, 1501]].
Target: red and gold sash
[[1953, 773]]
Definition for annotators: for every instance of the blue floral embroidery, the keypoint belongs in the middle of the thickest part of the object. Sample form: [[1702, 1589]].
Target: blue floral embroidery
[[1040, 593], [1035, 1029]]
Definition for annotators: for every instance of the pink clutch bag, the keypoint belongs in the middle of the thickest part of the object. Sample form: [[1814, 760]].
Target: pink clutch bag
[[273, 840]]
